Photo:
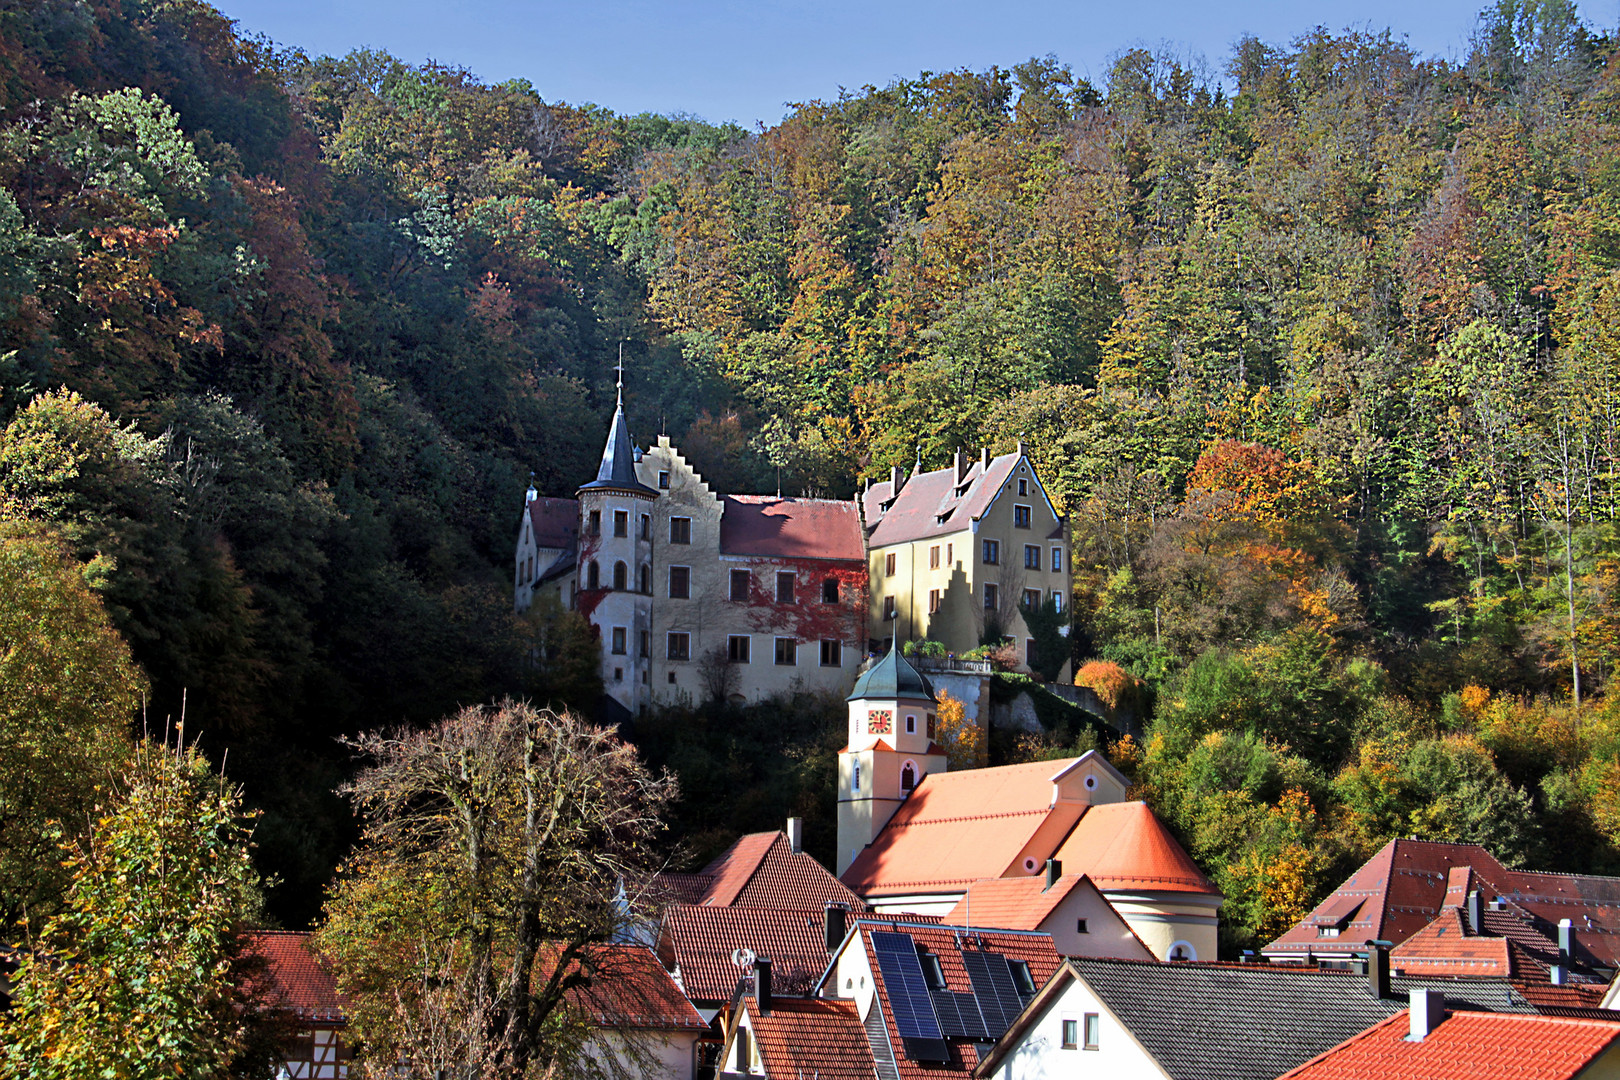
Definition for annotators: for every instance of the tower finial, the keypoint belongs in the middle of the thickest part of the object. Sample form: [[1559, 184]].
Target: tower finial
[[619, 367]]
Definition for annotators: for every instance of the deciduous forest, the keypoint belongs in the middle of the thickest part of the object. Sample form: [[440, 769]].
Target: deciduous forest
[[1317, 345]]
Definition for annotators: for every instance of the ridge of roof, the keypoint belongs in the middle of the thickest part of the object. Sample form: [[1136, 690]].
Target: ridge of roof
[[914, 513]]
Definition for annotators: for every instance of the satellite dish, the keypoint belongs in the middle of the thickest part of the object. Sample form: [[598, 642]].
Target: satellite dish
[[743, 958]]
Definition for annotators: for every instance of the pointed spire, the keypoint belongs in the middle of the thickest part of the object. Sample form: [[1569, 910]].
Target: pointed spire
[[618, 468], [530, 495]]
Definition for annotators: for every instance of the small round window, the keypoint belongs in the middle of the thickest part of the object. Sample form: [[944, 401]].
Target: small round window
[[1091, 783], [1031, 865]]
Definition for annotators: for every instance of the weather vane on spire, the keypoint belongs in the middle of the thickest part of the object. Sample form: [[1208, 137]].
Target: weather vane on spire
[[619, 367]]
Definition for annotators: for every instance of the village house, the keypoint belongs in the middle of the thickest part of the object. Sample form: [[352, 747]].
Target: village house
[[1530, 923], [304, 987], [1425, 1043], [1203, 1021]]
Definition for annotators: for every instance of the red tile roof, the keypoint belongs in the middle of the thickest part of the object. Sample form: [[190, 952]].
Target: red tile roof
[[306, 983], [1509, 944], [627, 987], [774, 527], [555, 522], [761, 870], [811, 1038], [1467, 1046], [1021, 903], [935, 503], [700, 941], [1123, 846], [1406, 884], [960, 827]]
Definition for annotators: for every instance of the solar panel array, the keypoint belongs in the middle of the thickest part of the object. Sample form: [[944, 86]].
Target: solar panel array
[[908, 993], [959, 1015], [993, 986]]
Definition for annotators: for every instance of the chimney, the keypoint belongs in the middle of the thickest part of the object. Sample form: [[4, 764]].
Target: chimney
[[1378, 969], [1020, 447], [1566, 942], [837, 927], [762, 985], [1054, 870], [795, 834], [984, 460], [897, 480], [962, 466], [1428, 1008], [1476, 913], [1557, 975]]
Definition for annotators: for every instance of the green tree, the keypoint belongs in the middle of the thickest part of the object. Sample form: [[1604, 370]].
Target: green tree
[[68, 695], [140, 974]]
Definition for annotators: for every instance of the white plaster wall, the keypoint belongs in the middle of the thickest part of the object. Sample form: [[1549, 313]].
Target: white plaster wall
[[670, 1052], [1039, 1055]]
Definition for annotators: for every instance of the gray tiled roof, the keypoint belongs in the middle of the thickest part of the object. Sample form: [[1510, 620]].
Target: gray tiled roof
[[1255, 1022]]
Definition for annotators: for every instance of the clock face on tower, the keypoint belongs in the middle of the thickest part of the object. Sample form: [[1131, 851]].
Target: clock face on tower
[[879, 722]]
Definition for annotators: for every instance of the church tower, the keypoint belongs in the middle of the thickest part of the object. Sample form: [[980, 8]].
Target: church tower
[[891, 748], [615, 566]]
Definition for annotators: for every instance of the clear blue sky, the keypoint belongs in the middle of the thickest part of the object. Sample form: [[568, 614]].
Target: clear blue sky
[[743, 59]]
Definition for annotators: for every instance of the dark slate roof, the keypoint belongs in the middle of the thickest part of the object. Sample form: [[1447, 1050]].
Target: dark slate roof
[[892, 677], [618, 469], [1257, 1021]]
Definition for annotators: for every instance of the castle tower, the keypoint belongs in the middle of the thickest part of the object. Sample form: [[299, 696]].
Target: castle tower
[[615, 566], [891, 748]]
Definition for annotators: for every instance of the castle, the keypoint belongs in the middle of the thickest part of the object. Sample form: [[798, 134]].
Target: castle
[[697, 594]]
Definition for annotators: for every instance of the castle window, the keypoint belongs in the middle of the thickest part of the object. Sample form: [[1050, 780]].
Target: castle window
[[646, 526], [621, 576], [933, 557], [908, 777], [1032, 557], [933, 600], [621, 523], [1057, 560], [787, 651], [1057, 600], [989, 597], [784, 588], [992, 552], [888, 565], [737, 648], [618, 641], [1080, 926], [644, 579], [646, 644], [1020, 517], [1029, 652], [663, 479], [680, 530], [739, 585], [1023, 487], [1032, 598], [911, 725], [595, 526], [680, 648], [832, 653], [680, 582], [829, 591], [950, 553], [888, 607], [593, 576]]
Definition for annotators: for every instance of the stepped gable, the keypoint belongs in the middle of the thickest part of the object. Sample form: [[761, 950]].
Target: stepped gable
[[304, 982], [958, 827], [1124, 846], [1467, 1046], [773, 527], [934, 503], [811, 1038], [1403, 887], [555, 523], [762, 870]]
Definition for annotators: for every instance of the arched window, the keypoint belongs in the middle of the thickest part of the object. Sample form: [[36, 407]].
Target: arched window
[[908, 777], [593, 576], [644, 579], [621, 576], [1183, 951]]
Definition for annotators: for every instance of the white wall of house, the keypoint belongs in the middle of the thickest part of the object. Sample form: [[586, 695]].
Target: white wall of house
[[663, 1055], [1040, 1053]]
